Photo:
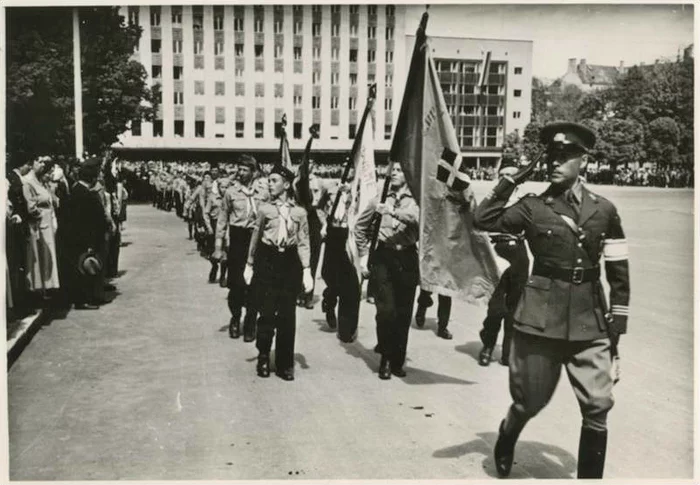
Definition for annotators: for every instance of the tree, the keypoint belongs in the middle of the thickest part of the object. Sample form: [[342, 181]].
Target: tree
[[40, 80], [512, 148], [539, 100], [619, 142], [531, 140], [662, 141]]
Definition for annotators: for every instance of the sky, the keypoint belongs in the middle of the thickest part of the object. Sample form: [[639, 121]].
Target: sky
[[600, 33]]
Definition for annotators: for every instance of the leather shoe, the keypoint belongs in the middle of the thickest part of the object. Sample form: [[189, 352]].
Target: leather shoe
[[420, 316], [222, 282], [234, 328], [384, 369], [109, 287], [248, 337], [86, 306], [286, 374], [504, 359], [398, 371], [485, 356], [331, 319], [444, 333], [263, 367], [504, 452]]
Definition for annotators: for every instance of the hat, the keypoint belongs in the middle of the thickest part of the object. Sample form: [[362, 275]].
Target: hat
[[89, 264], [91, 166], [248, 161], [566, 133], [284, 172]]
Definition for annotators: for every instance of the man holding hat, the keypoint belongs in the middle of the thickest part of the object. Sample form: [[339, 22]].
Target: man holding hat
[[562, 317], [278, 266], [239, 211]]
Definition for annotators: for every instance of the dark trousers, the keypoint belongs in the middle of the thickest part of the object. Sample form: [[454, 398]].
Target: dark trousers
[[114, 242], [342, 286], [444, 310], [275, 286], [15, 249], [395, 276], [238, 293]]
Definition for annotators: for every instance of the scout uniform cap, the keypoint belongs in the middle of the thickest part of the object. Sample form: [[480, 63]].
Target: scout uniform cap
[[91, 165], [286, 174], [248, 161], [564, 133]]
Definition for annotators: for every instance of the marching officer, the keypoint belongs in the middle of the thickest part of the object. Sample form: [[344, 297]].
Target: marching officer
[[239, 211], [510, 286], [278, 266], [562, 319], [394, 271]]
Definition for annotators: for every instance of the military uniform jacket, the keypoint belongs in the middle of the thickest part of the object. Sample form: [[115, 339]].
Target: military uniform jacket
[[556, 308]]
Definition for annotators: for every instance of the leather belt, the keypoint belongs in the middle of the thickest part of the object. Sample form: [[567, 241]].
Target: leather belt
[[575, 275], [395, 247]]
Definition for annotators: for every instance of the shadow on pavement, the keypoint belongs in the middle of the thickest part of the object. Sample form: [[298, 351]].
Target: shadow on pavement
[[301, 359], [323, 325], [430, 324], [125, 244], [543, 461], [359, 351], [473, 348], [420, 376]]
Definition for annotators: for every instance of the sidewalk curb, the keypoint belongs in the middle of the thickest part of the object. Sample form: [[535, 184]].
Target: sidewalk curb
[[28, 327]]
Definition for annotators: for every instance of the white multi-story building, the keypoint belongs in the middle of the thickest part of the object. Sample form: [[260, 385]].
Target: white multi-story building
[[228, 73]]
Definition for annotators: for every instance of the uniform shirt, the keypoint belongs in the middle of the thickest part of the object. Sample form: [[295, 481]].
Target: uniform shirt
[[267, 229], [240, 204], [397, 230], [559, 237], [340, 217]]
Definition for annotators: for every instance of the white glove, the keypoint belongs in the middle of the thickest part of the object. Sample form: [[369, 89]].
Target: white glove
[[364, 266], [307, 280], [248, 274]]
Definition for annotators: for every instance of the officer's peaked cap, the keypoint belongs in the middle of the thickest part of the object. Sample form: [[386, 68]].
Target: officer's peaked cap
[[567, 133]]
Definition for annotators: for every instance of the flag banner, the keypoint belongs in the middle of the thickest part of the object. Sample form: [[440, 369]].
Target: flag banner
[[455, 259], [485, 68], [364, 189], [285, 157]]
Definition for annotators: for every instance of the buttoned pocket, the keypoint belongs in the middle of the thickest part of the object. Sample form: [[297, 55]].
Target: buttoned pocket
[[534, 302]]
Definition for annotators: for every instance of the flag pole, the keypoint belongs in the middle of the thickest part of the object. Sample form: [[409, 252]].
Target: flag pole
[[304, 196], [355, 147], [77, 87], [417, 47]]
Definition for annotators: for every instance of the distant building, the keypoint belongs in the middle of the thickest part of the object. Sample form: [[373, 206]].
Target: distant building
[[591, 77]]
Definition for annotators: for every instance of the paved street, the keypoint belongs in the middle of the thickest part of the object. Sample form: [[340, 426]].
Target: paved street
[[151, 386]]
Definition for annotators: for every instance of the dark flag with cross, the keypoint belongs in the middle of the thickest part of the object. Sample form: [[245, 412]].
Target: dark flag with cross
[[455, 259]]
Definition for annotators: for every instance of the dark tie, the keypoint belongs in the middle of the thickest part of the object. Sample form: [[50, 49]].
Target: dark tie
[[573, 202]]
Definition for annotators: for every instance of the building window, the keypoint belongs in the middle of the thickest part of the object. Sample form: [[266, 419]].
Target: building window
[[240, 89], [179, 128], [219, 88], [259, 90], [353, 30], [258, 26], [297, 101], [517, 93], [389, 33], [334, 102], [238, 49], [387, 104], [316, 77], [352, 128], [278, 27], [155, 46], [199, 129], [388, 80], [315, 29], [335, 77], [258, 50], [218, 22], [389, 10], [176, 15], [370, 79], [135, 126], [316, 102], [155, 16], [335, 30], [353, 55], [371, 55], [198, 46], [259, 130], [352, 103], [177, 72], [197, 20], [177, 47], [354, 9], [316, 53], [297, 27], [492, 111], [239, 129], [335, 53], [297, 130], [387, 132], [493, 89], [279, 90], [134, 20], [278, 51], [156, 72], [220, 115], [389, 58], [297, 53], [238, 24], [218, 48], [516, 114], [372, 32], [335, 8], [353, 79], [372, 9], [238, 72], [315, 8], [178, 98], [158, 128], [518, 70]]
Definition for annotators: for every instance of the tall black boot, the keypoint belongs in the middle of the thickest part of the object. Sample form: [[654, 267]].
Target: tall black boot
[[504, 452], [591, 453]]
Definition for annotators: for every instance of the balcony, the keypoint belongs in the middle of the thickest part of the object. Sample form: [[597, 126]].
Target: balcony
[[496, 79], [259, 65], [335, 117], [156, 59], [279, 65], [316, 116], [298, 66], [179, 113], [298, 114]]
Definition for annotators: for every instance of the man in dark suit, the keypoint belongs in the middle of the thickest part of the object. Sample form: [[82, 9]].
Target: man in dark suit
[[562, 319], [85, 232], [16, 238]]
